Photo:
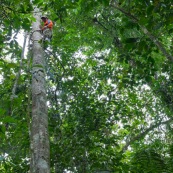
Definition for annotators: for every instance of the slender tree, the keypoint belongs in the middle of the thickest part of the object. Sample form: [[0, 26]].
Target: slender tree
[[39, 127]]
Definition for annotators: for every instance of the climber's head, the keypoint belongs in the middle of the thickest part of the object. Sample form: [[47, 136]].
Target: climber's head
[[44, 18]]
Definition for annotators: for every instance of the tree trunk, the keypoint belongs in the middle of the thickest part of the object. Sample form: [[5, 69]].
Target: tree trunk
[[40, 150]]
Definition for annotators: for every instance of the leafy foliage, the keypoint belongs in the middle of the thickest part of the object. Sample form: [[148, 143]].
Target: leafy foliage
[[109, 86]]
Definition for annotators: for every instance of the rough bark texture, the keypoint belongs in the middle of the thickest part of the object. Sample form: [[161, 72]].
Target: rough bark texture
[[40, 152]]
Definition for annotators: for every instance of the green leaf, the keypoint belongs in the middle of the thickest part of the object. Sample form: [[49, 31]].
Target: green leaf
[[9, 119], [11, 65]]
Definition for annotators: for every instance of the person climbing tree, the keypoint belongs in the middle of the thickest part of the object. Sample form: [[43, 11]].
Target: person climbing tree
[[47, 28]]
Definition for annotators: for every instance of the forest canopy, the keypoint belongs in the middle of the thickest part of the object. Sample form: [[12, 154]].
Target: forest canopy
[[109, 82]]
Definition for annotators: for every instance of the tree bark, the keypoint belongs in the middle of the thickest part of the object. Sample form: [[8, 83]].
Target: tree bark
[[40, 150]]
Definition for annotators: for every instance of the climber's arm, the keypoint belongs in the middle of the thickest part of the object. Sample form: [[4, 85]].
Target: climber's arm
[[50, 25]]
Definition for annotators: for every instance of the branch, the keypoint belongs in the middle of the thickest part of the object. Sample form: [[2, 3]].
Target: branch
[[19, 72], [143, 134], [116, 40], [159, 45], [57, 60]]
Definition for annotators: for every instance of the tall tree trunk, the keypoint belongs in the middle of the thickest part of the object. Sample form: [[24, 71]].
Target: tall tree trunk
[[40, 150]]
